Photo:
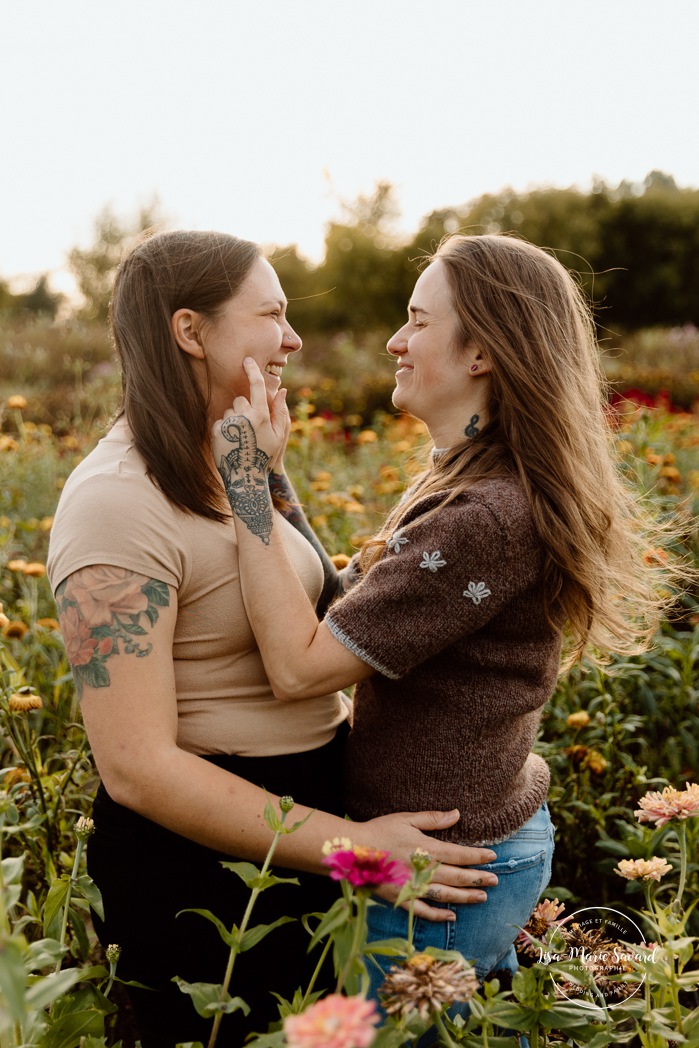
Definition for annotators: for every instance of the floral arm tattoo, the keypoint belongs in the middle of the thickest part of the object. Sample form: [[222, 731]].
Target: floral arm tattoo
[[244, 473], [105, 611], [335, 584]]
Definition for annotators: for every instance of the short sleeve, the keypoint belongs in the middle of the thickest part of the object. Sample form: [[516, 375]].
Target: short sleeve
[[116, 519], [441, 579]]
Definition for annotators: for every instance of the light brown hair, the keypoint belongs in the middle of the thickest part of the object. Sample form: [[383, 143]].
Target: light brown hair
[[161, 398], [546, 426]]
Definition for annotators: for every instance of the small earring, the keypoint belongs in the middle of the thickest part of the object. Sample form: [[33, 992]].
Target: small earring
[[474, 367]]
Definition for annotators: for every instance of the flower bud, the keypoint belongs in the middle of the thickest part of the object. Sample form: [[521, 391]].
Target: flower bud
[[113, 953], [286, 803], [84, 827]]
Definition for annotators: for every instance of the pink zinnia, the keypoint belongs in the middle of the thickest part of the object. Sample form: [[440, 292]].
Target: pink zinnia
[[334, 1022], [366, 867], [662, 808]]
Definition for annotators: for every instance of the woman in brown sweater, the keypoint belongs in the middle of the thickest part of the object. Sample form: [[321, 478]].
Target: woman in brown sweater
[[518, 540]]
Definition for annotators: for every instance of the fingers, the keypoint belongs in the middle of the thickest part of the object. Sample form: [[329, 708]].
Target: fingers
[[258, 389], [463, 877], [433, 820], [431, 913]]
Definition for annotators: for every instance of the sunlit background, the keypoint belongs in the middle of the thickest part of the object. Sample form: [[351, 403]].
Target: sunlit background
[[260, 118]]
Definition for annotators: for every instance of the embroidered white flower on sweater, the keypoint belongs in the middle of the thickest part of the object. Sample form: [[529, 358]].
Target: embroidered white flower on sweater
[[432, 561], [476, 591], [396, 541]]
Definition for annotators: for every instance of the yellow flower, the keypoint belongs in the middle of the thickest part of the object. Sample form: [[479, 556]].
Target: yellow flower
[[367, 436], [319, 485], [595, 762], [35, 570], [46, 523], [15, 628], [48, 624], [17, 402], [23, 701], [16, 565], [671, 473], [8, 443], [579, 719], [354, 507], [70, 442], [323, 474], [4, 621]]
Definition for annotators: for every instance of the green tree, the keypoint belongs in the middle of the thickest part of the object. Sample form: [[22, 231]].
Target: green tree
[[94, 267]]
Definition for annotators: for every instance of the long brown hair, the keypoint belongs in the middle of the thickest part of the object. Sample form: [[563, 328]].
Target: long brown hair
[[161, 398], [547, 427]]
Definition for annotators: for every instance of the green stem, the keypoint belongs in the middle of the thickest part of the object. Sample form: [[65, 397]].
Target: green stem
[[235, 949], [681, 831], [112, 974], [411, 922], [443, 1032], [66, 910], [316, 973], [359, 931]]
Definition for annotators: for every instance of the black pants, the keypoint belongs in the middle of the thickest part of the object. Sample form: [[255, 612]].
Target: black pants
[[147, 875]]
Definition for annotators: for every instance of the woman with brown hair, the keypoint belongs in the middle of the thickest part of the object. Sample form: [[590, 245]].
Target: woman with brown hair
[[185, 730], [518, 539]]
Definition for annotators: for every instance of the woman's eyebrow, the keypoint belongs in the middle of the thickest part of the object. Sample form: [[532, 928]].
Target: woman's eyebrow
[[282, 303], [417, 309]]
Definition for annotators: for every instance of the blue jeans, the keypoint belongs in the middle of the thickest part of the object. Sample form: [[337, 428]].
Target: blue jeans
[[484, 932]]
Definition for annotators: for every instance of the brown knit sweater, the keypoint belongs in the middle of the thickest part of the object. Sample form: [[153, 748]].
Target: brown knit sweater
[[452, 619]]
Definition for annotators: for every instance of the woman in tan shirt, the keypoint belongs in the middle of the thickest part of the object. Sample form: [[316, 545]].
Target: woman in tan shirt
[[181, 717]]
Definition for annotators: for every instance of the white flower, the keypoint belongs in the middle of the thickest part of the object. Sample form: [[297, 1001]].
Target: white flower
[[396, 541], [432, 561], [476, 591]]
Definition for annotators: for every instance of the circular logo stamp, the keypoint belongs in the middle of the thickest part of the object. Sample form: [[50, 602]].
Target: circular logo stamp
[[600, 946]]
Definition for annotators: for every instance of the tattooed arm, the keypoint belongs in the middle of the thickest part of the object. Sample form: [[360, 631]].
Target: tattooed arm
[[335, 583], [118, 627]]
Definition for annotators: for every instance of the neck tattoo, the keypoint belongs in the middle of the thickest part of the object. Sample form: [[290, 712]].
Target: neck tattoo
[[472, 429]]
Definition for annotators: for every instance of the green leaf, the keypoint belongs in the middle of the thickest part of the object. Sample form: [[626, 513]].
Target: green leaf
[[390, 947], [231, 938], [272, 819], [12, 870], [208, 998], [254, 935], [85, 886], [268, 880], [12, 979], [337, 916], [68, 1031], [247, 871], [47, 988], [55, 901], [43, 953]]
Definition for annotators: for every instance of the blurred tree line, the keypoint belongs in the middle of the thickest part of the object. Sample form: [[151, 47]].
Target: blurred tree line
[[634, 246]]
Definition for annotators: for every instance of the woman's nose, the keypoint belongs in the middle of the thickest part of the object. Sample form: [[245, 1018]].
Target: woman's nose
[[397, 343], [291, 341]]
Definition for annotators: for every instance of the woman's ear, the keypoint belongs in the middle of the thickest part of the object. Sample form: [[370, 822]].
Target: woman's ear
[[478, 364], [185, 324]]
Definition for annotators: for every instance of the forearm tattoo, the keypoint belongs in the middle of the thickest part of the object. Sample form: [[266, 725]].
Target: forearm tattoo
[[244, 472], [106, 611]]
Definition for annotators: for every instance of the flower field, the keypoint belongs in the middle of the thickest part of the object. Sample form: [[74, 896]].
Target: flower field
[[622, 743]]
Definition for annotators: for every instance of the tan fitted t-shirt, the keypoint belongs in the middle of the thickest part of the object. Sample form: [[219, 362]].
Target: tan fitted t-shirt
[[110, 512]]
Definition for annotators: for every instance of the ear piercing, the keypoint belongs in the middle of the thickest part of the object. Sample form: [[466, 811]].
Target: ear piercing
[[474, 367]]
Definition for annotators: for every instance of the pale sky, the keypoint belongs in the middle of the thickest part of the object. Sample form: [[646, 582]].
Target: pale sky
[[256, 116]]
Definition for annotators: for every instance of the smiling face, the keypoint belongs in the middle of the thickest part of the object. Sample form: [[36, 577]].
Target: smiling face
[[250, 324], [435, 381]]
